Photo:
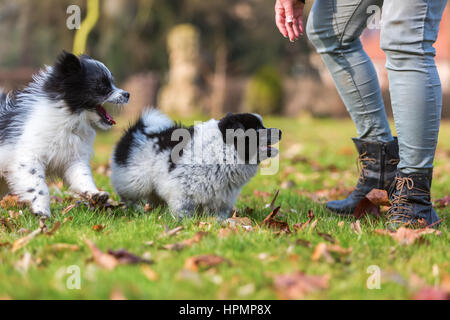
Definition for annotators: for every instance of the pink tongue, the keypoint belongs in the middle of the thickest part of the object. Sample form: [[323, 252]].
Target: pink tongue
[[106, 114]]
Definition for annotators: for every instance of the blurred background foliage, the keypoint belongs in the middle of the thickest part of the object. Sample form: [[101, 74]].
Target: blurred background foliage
[[242, 62]]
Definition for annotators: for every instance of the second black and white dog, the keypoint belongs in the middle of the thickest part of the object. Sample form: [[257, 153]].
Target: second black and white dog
[[202, 167], [48, 129]]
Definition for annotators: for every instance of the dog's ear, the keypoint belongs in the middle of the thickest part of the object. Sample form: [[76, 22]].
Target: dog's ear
[[68, 64]]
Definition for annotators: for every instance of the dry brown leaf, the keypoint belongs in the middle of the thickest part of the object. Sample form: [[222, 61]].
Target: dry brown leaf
[[169, 233], [270, 222], [202, 262], [55, 227], [243, 222], [117, 294], [365, 207], [186, 243], [356, 227], [326, 251], [149, 273], [301, 226], [5, 244], [124, 257], [326, 236], [98, 227], [67, 209], [297, 285], [103, 260], [272, 204], [407, 236], [64, 246], [378, 197], [431, 293], [442, 203], [225, 232], [20, 243], [10, 202]]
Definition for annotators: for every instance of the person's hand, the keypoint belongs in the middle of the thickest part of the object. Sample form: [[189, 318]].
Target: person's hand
[[289, 18]]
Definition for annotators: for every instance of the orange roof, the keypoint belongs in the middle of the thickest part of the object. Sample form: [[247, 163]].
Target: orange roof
[[371, 40]]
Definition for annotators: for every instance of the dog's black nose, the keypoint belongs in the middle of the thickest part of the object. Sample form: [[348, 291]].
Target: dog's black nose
[[281, 133], [126, 95]]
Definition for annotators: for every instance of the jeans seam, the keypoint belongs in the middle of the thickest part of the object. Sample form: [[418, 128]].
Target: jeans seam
[[367, 118]]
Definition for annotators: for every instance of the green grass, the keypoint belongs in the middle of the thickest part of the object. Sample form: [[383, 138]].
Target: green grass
[[325, 144]]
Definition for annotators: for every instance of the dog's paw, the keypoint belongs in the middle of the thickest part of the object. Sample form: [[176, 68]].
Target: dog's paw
[[96, 199]]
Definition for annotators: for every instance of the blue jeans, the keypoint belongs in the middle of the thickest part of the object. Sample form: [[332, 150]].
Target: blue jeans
[[408, 31]]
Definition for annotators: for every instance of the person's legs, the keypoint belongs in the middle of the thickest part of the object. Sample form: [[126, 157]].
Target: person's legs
[[334, 28], [409, 31]]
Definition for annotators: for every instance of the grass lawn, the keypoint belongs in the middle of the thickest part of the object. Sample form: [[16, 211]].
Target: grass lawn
[[316, 156]]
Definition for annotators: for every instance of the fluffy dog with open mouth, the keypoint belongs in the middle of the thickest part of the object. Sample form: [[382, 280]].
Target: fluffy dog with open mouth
[[202, 167], [48, 129]]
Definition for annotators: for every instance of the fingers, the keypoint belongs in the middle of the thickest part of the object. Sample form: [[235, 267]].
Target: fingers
[[300, 25], [290, 20], [295, 27], [280, 22]]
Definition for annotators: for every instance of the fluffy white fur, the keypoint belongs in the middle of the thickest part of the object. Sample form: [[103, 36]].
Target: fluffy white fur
[[200, 180], [53, 142]]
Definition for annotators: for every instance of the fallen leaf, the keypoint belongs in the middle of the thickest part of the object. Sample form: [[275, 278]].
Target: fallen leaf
[[98, 227], [329, 252], [364, 207], [327, 237], [378, 197], [270, 222], [341, 224], [169, 233], [243, 222], [186, 243], [272, 204], [5, 244], [20, 243], [304, 243], [442, 203], [149, 273], [67, 209], [10, 202], [55, 227], [431, 293], [103, 260], [125, 257], [202, 262], [407, 236], [297, 285], [64, 246], [356, 227], [117, 294], [301, 226]]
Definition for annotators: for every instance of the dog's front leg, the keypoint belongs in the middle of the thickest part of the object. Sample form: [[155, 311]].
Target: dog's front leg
[[27, 181], [79, 178]]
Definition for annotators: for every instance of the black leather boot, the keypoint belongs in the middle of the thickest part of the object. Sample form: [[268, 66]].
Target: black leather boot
[[411, 204], [378, 165]]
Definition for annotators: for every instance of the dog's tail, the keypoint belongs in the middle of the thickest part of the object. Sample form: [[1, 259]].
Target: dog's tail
[[155, 121]]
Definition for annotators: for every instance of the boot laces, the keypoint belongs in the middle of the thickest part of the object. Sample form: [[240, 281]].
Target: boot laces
[[400, 208], [362, 161]]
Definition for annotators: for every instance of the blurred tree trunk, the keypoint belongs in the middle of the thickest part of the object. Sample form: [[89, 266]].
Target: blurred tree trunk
[[219, 85], [79, 43], [24, 27]]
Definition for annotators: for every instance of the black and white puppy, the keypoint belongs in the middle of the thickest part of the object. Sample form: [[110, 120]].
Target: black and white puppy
[[48, 129], [202, 167]]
